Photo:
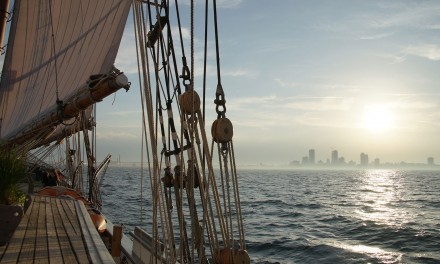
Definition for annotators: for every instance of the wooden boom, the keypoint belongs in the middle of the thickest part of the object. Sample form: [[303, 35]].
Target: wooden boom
[[98, 87]]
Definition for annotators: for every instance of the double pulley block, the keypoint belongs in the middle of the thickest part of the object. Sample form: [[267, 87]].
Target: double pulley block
[[221, 129]]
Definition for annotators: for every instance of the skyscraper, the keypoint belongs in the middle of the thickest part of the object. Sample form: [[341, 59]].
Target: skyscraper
[[311, 156], [335, 158], [376, 162], [430, 161], [364, 159], [305, 160]]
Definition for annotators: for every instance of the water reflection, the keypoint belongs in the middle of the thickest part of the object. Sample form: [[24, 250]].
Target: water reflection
[[375, 252], [379, 196]]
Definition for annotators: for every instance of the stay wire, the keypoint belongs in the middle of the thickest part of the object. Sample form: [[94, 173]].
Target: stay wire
[[205, 61], [54, 50], [147, 99], [180, 28], [153, 138], [173, 54], [192, 46], [143, 114], [159, 116], [217, 49], [158, 84]]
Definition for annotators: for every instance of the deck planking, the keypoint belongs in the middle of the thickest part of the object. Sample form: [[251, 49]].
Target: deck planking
[[55, 255], [56, 230], [67, 250], [12, 250], [41, 250]]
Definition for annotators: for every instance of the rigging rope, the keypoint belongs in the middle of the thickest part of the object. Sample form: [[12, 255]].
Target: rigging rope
[[155, 58], [190, 144], [157, 194]]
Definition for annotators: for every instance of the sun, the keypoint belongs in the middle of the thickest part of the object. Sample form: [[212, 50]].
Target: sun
[[378, 118]]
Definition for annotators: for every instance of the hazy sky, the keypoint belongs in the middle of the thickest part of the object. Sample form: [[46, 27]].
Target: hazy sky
[[356, 76]]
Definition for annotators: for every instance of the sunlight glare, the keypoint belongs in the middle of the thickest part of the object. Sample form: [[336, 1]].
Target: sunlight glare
[[377, 118], [375, 252]]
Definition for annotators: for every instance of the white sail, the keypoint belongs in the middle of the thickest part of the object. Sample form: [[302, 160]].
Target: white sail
[[53, 48]]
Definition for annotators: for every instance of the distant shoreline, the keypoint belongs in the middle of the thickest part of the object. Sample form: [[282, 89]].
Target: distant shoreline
[[406, 166]]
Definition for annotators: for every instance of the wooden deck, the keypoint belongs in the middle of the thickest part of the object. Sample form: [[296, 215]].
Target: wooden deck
[[56, 230]]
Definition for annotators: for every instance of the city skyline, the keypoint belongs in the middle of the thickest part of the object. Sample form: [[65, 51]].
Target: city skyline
[[364, 160]]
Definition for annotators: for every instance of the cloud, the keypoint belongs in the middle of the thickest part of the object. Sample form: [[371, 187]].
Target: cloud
[[125, 113], [220, 3], [126, 60], [433, 26], [377, 36], [229, 3], [320, 104], [264, 101], [413, 102], [258, 113], [398, 14], [333, 26], [114, 135], [271, 115], [238, 73], [186, 34], [267, 112], [396, 57], [428, 51], [285, 84]]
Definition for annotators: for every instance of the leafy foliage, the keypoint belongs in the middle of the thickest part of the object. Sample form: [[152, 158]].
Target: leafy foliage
[[12, 172]]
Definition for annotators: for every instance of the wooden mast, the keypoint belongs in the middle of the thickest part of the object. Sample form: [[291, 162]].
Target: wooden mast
[[4, 9]]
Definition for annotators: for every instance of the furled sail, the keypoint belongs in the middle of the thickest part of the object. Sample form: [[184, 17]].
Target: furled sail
[[53, 49]]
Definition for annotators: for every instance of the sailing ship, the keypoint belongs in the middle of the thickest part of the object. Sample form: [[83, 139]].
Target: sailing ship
[[59, 63]]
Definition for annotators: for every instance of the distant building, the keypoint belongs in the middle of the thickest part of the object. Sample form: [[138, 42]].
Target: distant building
[[364, 159], [311, 156], [341, 161], [376, 162], [305, 160], [294, 163], [431, 161], [335, 158]]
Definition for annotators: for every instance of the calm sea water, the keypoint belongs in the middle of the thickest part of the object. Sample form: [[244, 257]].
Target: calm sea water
[[305, 216]]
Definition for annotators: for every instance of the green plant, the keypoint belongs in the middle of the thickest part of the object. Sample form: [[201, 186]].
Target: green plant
[[12, 172]]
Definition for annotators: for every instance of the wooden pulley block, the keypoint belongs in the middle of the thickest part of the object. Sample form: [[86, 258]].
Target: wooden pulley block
[[224, 256], [190, 102], [241, 256], [230, 256], [168, 180], [193, 172], [222, 130], [177, 180]]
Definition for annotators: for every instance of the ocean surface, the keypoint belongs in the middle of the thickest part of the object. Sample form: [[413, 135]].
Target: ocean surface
[[316, 216]]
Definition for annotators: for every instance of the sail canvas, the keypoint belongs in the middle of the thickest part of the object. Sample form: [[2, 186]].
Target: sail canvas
[[53, 47]]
